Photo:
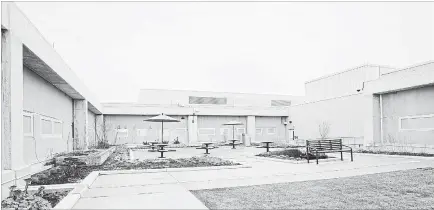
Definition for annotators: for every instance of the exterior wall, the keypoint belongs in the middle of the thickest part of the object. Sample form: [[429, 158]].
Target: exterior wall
[[264, 127], [42, 99], [222, 133], [340, 84], [141, 109], [153, 129], [91, 131], [345, 116], [165, 97], [414, 102]]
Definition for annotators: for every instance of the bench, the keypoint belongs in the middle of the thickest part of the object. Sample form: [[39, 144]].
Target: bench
[[326, 146]]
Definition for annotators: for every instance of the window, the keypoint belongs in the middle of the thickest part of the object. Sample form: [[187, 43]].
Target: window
[[57, 128], [206, 100], [122, 133], [417, 123], [207, 131], [27, 124], [271, 131], [241, 131], [142, 132], [258, 131], [47, 126], [51, 127], [280, 103], [224, 131]]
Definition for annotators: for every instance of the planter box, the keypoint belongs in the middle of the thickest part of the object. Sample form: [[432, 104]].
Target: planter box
[[92, 159]]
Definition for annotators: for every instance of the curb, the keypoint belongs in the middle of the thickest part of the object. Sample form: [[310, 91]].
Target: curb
[[172, 170], [51, 187], [88, 181], [72, 198], [280, 160], [394, 156], [68, 202]]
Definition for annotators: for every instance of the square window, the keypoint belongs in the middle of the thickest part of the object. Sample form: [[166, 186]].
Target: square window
[[241, 131], [142, 132], [122, 132], [258, 131], [271, 131], [57, 128], [28, 125], [207, 131], [224, 131], [47, 126]]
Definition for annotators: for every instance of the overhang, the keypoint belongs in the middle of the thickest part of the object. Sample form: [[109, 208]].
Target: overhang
[[408, 78]]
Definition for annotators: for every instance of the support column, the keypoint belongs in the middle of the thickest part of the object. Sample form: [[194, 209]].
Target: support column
[[192, 129], [251, 130], [372, 120], [99, 128], [81, 141], [12, 101]]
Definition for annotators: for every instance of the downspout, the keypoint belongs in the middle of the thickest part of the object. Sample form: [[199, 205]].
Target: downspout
[[381, 118]]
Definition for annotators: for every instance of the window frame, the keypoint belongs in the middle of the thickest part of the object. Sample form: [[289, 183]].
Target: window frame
[[32, 124], [124, 129], [213, 131], [414, 117], [256, 131], [237, 131], [224, 130], [52, 121], [274, 131], [142, 129]]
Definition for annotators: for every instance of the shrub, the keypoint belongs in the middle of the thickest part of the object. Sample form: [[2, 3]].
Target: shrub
[[22, 200], [176, 141], [423, 154], [291, 153], [102, 145]]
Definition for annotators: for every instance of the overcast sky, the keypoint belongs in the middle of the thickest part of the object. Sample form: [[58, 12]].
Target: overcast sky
[[116, 48]]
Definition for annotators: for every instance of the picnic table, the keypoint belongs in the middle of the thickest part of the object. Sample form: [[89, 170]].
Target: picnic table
[[161, 149], [153, 146], [206, 146], [233, 142], [267, 145]]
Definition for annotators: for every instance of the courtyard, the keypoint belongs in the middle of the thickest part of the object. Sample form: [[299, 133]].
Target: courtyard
[[258, 181]]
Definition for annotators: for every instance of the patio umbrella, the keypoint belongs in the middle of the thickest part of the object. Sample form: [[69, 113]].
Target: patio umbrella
[[162, 118], [233, 123]]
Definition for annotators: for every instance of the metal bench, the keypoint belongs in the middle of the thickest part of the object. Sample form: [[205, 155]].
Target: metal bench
[[326, 146]]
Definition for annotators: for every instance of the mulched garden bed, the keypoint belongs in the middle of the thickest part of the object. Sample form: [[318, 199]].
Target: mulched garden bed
[[44, 199], [290, 154], [119, 160]]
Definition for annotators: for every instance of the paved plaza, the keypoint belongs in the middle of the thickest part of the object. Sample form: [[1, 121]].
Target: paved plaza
[[170, 190]]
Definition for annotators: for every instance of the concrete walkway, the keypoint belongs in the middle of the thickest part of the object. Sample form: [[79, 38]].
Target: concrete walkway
[[170, 190]]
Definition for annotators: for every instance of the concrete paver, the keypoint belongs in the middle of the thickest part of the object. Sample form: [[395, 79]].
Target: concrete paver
[[169, 190]]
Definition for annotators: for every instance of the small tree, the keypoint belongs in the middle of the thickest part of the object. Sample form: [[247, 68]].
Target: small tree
[[102, 134], [324, 129]]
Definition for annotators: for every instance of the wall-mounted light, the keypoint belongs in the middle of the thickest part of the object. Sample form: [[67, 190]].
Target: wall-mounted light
[[182, 118]]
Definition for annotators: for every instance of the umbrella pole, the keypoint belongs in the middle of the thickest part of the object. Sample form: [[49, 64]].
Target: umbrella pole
[[233, 132], [162, 130]]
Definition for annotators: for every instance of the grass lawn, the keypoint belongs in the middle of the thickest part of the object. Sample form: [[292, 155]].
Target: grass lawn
[[410, 189]]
